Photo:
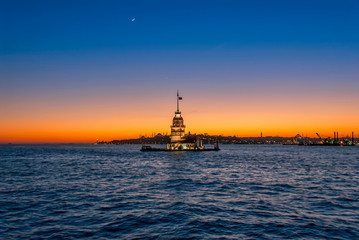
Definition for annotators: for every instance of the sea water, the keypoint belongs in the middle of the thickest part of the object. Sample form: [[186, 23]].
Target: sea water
[[118, 192]]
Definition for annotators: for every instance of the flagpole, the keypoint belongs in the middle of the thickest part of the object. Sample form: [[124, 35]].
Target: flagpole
[[177, 102]]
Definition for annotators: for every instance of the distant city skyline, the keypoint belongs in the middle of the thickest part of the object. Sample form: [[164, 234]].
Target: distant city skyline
[[81, 71]]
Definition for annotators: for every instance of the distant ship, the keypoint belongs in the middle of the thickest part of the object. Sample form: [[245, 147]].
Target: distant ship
[[179, 140]]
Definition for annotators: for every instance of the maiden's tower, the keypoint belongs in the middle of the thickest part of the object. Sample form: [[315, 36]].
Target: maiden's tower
[[179, 140]]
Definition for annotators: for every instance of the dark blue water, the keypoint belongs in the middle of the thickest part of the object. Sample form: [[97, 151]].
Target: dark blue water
[[118, 192]]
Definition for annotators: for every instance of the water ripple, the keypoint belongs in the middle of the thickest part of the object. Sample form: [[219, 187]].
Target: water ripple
[[118, 192]]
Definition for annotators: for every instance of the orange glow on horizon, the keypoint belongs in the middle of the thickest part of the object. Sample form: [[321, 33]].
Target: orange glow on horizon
[[85, 120]]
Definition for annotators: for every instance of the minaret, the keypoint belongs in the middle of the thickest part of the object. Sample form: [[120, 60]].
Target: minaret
[[177, 128]]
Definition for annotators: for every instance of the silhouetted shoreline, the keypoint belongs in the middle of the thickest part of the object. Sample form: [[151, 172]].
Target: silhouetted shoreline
[[210, 139]]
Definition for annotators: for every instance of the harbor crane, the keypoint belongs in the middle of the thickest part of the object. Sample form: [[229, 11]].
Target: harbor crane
[[319, 136]]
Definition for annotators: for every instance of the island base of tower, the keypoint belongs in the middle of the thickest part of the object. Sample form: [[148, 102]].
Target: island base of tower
[[151, 149]]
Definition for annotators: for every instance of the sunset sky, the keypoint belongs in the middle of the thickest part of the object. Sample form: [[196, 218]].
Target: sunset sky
[[77, 71]]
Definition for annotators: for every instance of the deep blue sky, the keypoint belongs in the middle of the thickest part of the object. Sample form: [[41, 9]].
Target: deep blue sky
[[44, 42], [47, 42], [38, 26]]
